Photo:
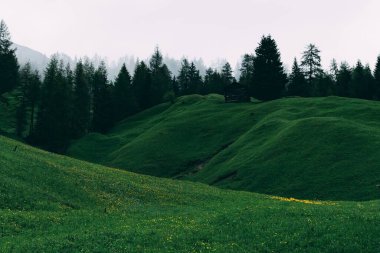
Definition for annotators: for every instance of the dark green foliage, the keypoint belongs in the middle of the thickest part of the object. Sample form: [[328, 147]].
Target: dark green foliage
[[226, 75], [54, 114], [212, 83], [311, 62], [81, 115], [124, 99], [30, 85], [377, 79], [21, 118], [142, 85], [246, 72], [160, 79], [343, 80], [269, 78], [297, 85], [323, 85], [362, 83], [189, 79], [8, 62], [102, 107]]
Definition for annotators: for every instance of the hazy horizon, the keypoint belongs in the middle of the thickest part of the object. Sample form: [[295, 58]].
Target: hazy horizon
[[212, 30]]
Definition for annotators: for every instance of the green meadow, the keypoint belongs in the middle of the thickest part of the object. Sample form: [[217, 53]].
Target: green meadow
[[312, 148], [52, 203]]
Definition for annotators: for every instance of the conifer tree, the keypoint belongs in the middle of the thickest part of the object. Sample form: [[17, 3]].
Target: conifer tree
[[362, 84], [343, 80], [160, 78], [53, 118], [183, 77], [377, 79], [9, 75], [102, 119], [246, 72], [30, 84], [81, 117], [311, 62], [124, 100], [297, 85], [142, 85], [212, 82], [269, 78], [226, 75]]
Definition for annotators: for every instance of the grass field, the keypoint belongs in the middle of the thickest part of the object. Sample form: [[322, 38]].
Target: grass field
[[313, 148], [52, 203]]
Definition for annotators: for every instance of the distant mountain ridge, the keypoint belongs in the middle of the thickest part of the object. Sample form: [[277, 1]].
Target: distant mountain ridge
[[39, 61]]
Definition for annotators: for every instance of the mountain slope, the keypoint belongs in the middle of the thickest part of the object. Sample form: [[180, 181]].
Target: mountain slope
[[318, 148], [51, 203]]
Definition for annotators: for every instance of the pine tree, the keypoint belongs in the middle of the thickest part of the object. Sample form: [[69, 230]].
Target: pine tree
[[142, 85], [246, 72], [362, 85], [377, 79], [183, 77], [297, 85], [311, 62], [30, 84], [160, 78], [53, 119], [102, 119], [343, 80], [195, 79], [9, 67], [212, 82], [226, 75], [81, 117], [269, 78], [124, 100]]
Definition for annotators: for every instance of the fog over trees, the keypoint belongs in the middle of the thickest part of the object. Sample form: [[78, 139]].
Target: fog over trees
[[68, 98]]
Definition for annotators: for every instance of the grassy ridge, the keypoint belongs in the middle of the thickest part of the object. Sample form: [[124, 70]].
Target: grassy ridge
[[316, 148], [52, 203]]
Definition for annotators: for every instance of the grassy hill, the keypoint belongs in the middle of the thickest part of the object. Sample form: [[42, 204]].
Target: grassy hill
[[316, 148], [52, 203]]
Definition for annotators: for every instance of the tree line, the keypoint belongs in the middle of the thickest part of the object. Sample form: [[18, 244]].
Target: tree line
[[70, 101]]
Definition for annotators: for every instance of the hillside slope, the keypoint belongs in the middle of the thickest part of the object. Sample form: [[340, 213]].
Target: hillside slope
[[51, 203], [317, 148]]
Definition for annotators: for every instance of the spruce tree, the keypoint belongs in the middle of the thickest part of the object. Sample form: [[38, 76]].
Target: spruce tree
[[53, 118], [246, 72], [212, 82], [362, 84], [195, 79], [377, 79], [142, 85], [81, 116], [297, 85], [9, 75], [124, 100], [343, 80], [30, 84], [269, 78], [102, 119], [183, 77], [226, 75], [311, 62], [160, 78]]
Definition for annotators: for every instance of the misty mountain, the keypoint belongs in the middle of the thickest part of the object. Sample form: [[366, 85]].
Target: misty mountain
[[39, 62]]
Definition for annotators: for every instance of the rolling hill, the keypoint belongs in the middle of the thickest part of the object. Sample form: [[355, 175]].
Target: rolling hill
[[314, 148], [52, 203]]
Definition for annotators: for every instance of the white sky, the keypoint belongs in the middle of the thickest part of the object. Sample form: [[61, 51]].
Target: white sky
[[211, 29]]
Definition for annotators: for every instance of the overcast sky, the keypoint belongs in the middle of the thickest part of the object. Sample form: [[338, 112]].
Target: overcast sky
[[211, 29]]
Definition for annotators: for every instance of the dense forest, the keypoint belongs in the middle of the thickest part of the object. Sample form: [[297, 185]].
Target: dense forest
[[66, 102]]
